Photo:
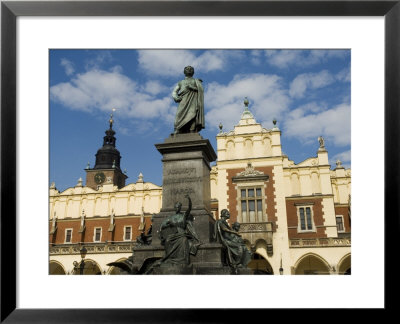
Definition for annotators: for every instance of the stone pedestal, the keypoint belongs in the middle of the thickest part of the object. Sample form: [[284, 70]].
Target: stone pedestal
[[186, 170]]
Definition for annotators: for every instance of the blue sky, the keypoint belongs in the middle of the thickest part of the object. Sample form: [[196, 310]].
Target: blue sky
[[307, 91]]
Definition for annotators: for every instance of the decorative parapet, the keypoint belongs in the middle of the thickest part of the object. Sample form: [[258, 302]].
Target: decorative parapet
[[320, 242], [71, 249], [255, 227]]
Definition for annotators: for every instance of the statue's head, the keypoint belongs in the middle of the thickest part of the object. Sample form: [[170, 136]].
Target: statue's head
[[236, 226], [178, 207], [188, 71], [225, 213]]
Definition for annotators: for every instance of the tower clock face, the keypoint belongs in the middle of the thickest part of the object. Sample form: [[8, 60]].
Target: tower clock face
[[99, 177]]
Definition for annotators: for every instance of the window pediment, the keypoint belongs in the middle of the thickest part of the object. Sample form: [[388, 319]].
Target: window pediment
[[250, 174]]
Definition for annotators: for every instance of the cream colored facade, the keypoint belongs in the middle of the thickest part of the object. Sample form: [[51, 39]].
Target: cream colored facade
[[129, 200], [131, 206], [249, 156], [252, 147]]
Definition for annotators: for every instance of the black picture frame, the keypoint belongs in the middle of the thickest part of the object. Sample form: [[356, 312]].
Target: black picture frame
[[10, 10]]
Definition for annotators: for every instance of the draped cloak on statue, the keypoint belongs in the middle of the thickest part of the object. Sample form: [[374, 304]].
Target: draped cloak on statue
[[190, 112], [179, 239], [236, 250]]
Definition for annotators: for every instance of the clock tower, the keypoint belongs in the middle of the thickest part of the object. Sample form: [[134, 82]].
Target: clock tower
[[107, 167]]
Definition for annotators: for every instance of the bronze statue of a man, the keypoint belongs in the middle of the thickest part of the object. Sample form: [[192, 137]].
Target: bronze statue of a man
[[189, 94]]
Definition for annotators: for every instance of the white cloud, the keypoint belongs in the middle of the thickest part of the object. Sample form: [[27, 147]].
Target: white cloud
[[333, 124], [256, 57], [117, 69], [301, 58], [344, 75], [343, 157], [268, 99], [228, 115], [312, 107], [282, 58], [305, 81], [172, 62], [100, 58], [68, 66], [103, 90], [154, 87]]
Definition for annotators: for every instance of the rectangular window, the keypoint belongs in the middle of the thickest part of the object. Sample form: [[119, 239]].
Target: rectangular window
[[251, 205], [244, 211], [339, 223], [128, 233], [259, 210], [302, 220], [97, 234], [305, 219], [68, 235], [308, 213]]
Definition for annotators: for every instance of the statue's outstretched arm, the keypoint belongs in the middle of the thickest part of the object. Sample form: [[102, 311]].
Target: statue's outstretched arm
[[190, 204], [187, 212]]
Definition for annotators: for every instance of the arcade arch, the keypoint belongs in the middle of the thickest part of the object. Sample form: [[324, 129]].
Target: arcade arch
[[344, 265], [56, 268], [259, 263], [115, 270], [91, 268], [311, 263]]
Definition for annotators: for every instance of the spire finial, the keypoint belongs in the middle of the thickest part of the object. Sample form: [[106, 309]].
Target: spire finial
[[246, 103], [79, 184], [246, 114], [220, 128], [111, 117], [275, 128]]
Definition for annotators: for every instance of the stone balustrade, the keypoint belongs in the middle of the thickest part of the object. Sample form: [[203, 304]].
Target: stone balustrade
[[319, 242], [93, 248]]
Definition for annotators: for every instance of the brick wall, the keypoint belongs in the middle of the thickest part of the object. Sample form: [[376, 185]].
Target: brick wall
[[59, 235], [344, 211], [269, 193], [293, 219], [90, 224]]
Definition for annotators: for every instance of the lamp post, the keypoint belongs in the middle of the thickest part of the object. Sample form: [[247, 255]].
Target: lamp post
[[280, 268], [83, 252]]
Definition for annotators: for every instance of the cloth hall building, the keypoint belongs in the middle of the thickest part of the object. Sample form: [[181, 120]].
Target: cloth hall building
[[295, 218]]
